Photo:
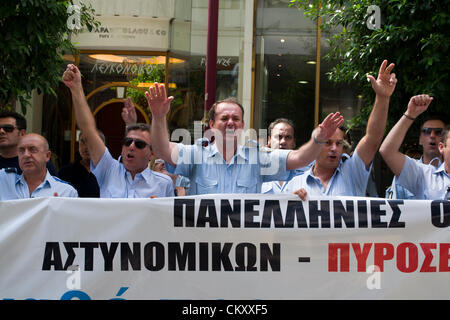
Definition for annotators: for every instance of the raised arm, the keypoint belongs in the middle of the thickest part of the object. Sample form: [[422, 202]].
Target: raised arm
[[308, 152], [383, 86], [83, 115], [159, 105], [128, 114], [390, 148]]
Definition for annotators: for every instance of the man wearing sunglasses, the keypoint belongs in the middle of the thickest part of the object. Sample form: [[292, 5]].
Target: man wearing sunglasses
[[130, 177], [13, 126], [424, 181], [430, 136]]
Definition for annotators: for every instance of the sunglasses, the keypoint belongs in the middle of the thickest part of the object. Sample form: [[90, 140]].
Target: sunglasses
[[140, 144], [437, 131], [8, 127]]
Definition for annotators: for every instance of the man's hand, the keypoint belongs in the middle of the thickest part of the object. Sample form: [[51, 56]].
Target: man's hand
[[129, 115], [328, 126], [72, 77], [418, 104], [302, 194], [158, 101], [384, 85]]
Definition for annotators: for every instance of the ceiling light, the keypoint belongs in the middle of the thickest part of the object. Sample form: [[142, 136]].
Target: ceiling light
[[311, 62], [282, 40], [303, 82]]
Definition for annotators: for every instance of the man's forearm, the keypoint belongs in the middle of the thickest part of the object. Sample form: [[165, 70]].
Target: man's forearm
[[161, 145], [83, 114], [303, 156]]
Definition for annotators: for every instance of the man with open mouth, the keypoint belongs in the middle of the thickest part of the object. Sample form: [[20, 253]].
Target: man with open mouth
[[129, 177]]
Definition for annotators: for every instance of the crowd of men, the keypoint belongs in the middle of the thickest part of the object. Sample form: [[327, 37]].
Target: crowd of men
[[219, 163]]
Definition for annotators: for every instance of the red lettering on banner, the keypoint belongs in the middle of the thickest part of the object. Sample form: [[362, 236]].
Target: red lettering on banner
[[444, 256], [406, 256], [383, 252], [361, 255], [426, 265], [333, 254]]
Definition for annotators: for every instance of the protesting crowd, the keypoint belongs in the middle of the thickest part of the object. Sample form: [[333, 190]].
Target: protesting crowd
[[151, 166]]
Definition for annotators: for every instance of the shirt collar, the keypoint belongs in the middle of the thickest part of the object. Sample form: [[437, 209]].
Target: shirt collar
[[440, 169], [48, 180], [240, 151]]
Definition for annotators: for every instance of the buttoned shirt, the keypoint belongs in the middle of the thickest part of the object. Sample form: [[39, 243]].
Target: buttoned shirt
[[116, 182], [273, 187], [423, 180], [349, 179], [14, 186], [248, 169], [396, 191]]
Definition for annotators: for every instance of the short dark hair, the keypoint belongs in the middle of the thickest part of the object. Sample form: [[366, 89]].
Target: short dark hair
[[431, 117], [277, 121], [212, 111], [21, 122], [137, 126]]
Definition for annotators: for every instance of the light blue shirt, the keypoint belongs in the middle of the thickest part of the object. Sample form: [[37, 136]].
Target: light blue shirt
[[13, 186], [116, 182], [273, 187], [248, 169], [349, 179], [396, 191], [423, 180]]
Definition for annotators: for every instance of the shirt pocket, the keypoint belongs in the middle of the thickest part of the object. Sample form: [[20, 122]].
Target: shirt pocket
[[206, 185], [246, 185]]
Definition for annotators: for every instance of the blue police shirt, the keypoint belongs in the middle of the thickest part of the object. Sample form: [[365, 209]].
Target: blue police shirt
[[423, 180], [116, 182], [349, 179], [273, 187], [208, 172], [396, 191], [13, 186]]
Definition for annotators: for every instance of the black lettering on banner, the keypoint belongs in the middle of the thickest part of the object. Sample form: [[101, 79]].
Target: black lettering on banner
[[52, 257], [241, 248], [323, 213], [207, 206], [376, 213], [204, 256], [251, 213], [71, 253], [295, 210], [272, 209], [130, 256], [396, 212], [268, 256], [154, 256], [440, 213], [342, 214], [108, 255], [220, 256], [231, 214], [89, 254], [178, 257], [362, 214], [179, 206]]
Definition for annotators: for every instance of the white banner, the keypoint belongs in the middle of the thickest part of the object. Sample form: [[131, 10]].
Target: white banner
[[224, 247]]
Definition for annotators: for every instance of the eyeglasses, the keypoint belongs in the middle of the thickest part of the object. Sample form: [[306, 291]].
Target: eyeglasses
[[7, 127], [437, 131], [140, 144]]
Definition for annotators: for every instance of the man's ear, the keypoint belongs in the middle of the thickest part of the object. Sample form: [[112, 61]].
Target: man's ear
[[22, 132], [441, 148], [48, 155]]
